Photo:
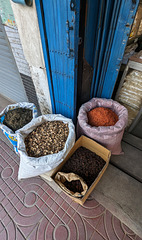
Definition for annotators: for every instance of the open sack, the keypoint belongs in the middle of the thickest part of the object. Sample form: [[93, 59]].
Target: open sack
[[110, 136], [12, 136], [34, 166], [62, 177]]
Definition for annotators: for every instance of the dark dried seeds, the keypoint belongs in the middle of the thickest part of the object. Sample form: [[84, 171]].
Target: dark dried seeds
[[74, 186], [84, 163]]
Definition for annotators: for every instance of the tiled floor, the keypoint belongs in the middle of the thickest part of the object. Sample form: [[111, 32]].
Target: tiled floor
[[30, 209]]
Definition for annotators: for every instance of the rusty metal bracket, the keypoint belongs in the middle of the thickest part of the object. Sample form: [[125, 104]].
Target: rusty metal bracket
[[68, 29]]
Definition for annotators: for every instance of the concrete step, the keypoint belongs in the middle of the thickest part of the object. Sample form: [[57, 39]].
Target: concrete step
[[130, 162], [121, 195]]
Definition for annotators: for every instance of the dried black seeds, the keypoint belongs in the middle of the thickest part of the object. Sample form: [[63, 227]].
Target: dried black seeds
[[84, 163], [74, 186]]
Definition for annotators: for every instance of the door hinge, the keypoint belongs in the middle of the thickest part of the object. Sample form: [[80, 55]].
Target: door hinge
[[68, 29]]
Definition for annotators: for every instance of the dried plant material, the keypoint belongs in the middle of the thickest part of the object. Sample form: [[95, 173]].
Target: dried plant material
[[85, 164], [17, 118], [101, 116], [48, 138], [67, 182], [74, 186]]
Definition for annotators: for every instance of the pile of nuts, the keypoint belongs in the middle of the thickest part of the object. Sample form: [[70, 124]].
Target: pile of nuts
[[48, 138]]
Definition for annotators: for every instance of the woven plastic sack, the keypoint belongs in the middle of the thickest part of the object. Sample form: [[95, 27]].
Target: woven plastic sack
[[12, 136], [111, 136], [34, 166]]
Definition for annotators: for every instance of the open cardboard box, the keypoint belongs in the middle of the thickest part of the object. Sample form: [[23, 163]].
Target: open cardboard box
[[94, 147]]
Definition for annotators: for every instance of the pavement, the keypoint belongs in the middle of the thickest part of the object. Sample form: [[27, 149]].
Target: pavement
[[35, 209]]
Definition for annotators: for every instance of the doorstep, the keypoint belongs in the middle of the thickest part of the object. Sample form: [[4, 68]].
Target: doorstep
[[122, 196], [130, 162]]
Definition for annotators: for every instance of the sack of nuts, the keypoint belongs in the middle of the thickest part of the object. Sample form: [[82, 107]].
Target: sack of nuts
[[44, 143]]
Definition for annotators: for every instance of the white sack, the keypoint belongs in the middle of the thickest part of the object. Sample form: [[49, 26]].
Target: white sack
[[32, 166], [12, 137]]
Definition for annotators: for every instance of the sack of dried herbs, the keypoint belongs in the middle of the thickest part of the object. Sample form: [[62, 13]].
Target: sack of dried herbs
[[44, 143], [14, 117]]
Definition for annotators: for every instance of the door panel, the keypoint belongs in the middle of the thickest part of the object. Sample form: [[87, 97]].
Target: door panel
[[59, 27], [122, 32], [107, 30]]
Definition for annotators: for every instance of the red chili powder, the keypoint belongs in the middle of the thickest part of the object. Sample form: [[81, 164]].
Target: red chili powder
[[101, 116]]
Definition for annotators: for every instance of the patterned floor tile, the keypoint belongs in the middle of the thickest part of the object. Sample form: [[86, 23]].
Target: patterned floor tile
[[31, 210]]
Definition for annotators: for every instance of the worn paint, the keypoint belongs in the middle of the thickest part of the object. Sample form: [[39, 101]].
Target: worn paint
[[27, 23], [6, 13], [40, 81]]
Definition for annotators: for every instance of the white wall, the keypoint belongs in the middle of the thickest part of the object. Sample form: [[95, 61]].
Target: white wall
[[27, 23]]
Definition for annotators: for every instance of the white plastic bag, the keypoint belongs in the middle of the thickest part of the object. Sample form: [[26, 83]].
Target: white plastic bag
[[12, 137], [31, 166]]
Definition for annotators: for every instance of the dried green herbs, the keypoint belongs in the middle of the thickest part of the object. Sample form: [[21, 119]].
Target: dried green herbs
[[17, 118]]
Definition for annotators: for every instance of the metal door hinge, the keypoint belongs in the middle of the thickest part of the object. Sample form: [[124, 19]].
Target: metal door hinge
[[68, 29]]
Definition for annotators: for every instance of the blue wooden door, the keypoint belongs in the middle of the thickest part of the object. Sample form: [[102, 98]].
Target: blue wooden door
[[107, 30], [59, 28]]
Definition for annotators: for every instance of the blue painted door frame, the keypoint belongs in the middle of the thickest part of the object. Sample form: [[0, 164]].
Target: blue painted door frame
[[59, 29]]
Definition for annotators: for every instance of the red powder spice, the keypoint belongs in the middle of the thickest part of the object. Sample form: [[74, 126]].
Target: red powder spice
[[101, 116]]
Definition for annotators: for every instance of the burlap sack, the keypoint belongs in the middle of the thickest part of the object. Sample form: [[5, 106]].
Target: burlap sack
[[61, 177]]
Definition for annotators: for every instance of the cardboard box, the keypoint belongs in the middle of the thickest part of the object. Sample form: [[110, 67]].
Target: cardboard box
[[94, 147]]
